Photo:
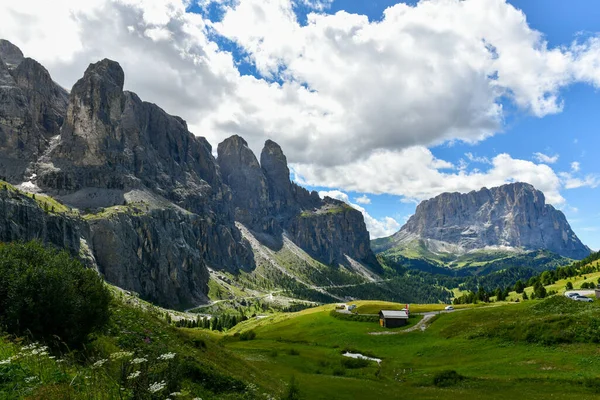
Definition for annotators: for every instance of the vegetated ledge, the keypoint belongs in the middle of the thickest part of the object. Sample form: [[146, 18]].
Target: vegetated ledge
[[47, 203], [133, 208], [327, 210]]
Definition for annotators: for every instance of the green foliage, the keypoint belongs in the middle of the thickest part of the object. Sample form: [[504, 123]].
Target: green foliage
[[587, 285], [519, 286], [293, 391], [556, 320], [248, 335], [49, 295], [355, 363], [569, 286], [354, 317], [447, 378], [539, 290]]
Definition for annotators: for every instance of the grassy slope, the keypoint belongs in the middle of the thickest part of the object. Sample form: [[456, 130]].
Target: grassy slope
[[497, 367], [146, 334]]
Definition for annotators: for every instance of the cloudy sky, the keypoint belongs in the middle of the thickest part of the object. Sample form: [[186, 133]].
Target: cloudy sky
[[380, 103]]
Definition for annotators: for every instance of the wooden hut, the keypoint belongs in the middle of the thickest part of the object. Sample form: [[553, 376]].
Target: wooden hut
[[393, 319]]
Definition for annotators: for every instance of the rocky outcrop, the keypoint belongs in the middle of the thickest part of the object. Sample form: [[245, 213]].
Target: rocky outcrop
[[267, 202], [332, 233], [158, 211], [113, 140], [10, 54], [32, 109], [22, 219], [164, 254], [242, 172], [513, 215]]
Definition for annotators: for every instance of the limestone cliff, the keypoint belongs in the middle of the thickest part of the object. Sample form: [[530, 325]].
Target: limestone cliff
[[32, 109], [153, 211], [268, 202], [514, 215]]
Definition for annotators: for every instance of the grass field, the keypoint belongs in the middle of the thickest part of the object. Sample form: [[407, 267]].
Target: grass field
[[497, 364], [373, 307]]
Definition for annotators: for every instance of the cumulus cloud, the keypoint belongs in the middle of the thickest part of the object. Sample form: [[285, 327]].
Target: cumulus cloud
[[344, 96], [363, 199], [575, 166], [377, 227], [416, 174], [544, 158]]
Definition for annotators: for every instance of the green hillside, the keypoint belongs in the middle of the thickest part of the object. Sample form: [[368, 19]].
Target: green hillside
[[500, 351]]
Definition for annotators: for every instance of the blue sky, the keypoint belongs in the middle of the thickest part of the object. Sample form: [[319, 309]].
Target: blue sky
[[379, 103], [572, 134]]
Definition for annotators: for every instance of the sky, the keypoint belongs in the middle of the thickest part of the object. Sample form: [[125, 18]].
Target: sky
[[378, 103]]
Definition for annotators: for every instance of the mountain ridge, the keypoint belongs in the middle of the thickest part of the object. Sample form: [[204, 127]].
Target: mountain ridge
[[154, 210], [511, 217]]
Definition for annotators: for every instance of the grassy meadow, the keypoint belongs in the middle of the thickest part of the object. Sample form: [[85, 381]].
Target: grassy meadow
[[500, 351]]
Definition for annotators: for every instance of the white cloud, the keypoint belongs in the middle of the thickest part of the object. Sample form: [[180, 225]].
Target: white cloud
[[348, 99], [377, 227], [417, 175], [363, 199], [318, 5], [575, 166], [476, 159], [544, 158]]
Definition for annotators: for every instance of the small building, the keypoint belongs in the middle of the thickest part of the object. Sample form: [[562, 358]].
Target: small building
[[393, 319]]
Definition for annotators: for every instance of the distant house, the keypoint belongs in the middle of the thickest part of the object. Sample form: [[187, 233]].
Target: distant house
[[393, 319]]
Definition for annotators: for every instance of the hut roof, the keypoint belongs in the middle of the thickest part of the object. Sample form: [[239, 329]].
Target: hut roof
[[401, 314]]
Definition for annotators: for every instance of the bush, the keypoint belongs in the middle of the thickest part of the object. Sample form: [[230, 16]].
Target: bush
[[248, 335], [447, 378], [293, 352], [354, 363], [48, 295]]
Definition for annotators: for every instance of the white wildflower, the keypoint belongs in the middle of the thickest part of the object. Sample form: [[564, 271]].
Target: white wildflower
[[157, 387], [134, 375], [99, 363], [139, 360], [121, 354], [175, 394], [166, 356], [4, 362], [30, 379]]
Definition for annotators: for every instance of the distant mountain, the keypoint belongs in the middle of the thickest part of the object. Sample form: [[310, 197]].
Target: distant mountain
[[127, 187], [454, 229]]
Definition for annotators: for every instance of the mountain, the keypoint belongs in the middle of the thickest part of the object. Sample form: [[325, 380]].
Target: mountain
[[455, 229], [32, 110], [127, 187]]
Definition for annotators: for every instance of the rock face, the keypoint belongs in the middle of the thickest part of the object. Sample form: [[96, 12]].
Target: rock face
[[514, 215], [21, 219], [267, 202], [164, 254], [159, 212], [32, 109]]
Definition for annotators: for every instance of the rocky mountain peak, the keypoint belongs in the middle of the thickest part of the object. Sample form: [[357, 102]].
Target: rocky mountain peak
[[32, 110], [10, 54], [241, 171], [274, 164], [512, 215]]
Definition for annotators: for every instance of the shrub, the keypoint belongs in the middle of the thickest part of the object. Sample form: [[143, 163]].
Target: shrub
[[293, 352], [49, 295], [248, 335], [354, 363], [447, 378]]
